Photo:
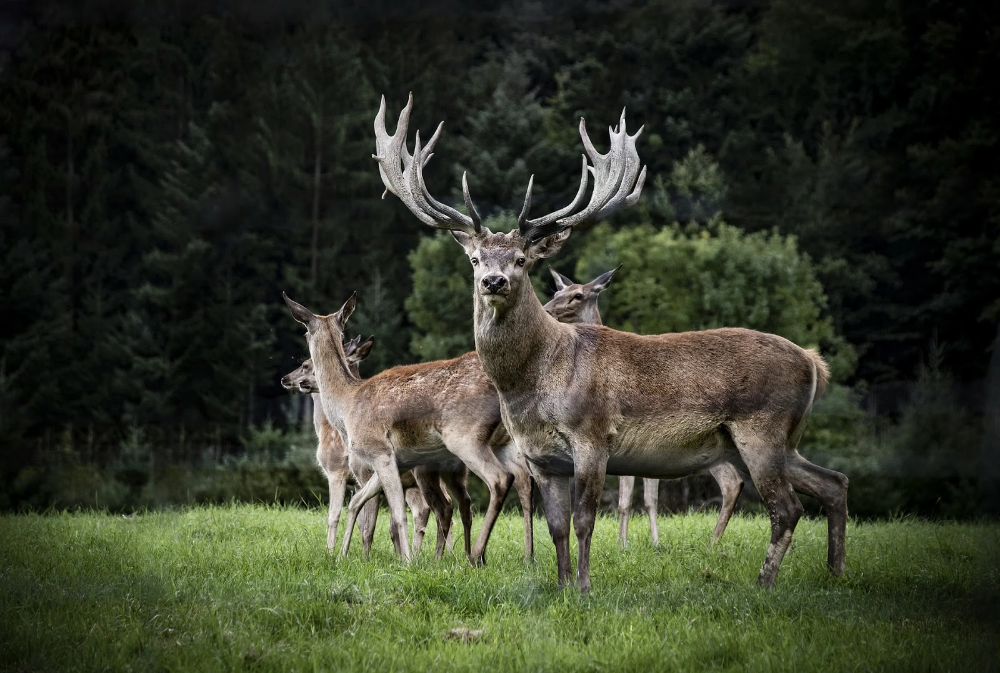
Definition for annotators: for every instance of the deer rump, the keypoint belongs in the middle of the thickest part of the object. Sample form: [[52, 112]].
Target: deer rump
[[663, 403]]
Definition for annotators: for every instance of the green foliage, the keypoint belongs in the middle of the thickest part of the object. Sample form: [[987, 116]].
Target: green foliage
[[240, 587], [675, 282]]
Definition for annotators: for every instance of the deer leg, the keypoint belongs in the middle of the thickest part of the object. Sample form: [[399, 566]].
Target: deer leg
[[557, 502], [369, 513], [485, 465], [764, 455], [338, 486], [371, 489], [524, 488], [830, 488], [731, 485], [589, 469], [450, 539], [388, 473], [513, 461], [458, 483], [421, 515], [650, 496], [430, 486], [626, 485]]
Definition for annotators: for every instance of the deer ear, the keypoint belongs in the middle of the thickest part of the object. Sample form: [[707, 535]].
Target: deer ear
[[346, 310], [549, 246], [562, 282], [365, 349], [600, 284], [464, 239], [299, 312]]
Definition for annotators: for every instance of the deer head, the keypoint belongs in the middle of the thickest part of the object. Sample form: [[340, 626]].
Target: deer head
[[303, 379], [324, 333], [501, 261], [576, 303]]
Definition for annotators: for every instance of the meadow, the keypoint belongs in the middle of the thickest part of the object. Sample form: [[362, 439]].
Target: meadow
[[252, 587]]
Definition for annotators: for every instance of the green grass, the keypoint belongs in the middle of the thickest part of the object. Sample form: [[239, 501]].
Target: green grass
[[253, 588]]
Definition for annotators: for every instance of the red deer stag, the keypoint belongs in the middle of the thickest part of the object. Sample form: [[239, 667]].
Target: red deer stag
[[585, 400]]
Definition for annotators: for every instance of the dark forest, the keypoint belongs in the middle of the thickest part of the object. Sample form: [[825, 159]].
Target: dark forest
[[824, 171]]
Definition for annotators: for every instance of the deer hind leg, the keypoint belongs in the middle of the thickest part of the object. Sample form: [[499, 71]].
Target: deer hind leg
[[366, 494], [369, 513], [650, 497], [417, 503], [430, 485], [764, 455], [830, 488], [388, 474], [626, 485], [338, 486], [458, 484], [556, 499], [589, 469], [484, 464], [449, 541], [524, 487], [731, 485]]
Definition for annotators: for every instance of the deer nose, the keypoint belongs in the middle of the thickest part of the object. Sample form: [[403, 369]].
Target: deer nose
[[494, 283], [284, 381]]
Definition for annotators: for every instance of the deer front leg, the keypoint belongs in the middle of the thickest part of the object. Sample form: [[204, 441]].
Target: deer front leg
[[338, 486], [730, 485], [523, 486], [650, 499], [556, 499], [626, 485], [371, 489], [589, 467]]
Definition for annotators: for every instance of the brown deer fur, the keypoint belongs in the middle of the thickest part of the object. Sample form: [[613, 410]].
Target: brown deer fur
[[439, 413], [577, 303], [333, 459]]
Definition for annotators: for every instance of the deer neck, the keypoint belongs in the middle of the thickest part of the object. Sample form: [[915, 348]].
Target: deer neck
[[337, 385], [591, 315], [515, 345]]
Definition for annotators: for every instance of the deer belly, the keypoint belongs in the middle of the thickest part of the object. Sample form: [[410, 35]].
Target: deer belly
[[667, 460]]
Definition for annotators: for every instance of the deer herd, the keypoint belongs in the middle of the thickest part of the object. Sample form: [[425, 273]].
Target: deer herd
[[552, 398]]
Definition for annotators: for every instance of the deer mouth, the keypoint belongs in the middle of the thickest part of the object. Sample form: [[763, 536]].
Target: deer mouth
[[304, 387]]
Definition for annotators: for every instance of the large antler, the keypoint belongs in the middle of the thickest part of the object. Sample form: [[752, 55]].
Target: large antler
[[617, 184], [403, 175]]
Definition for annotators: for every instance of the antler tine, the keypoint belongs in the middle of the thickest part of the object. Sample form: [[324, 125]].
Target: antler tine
[[618, 183], [547, 224], [470, 206], [402, 174], [523, 217]]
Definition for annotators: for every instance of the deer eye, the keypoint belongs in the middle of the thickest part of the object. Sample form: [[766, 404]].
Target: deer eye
[[520, 261], [577, 297], [475, 261]]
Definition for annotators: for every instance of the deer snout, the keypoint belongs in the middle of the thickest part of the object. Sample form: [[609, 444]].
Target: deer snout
[[494, 284], [286, 382]]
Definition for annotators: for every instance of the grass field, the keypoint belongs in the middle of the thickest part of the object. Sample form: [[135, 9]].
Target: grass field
[[253, 588]]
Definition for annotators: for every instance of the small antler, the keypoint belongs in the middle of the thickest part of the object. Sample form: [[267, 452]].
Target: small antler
[[617, 184], [403, 175]]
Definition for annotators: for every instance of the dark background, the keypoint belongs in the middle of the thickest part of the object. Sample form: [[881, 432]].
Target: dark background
[[168, 168]]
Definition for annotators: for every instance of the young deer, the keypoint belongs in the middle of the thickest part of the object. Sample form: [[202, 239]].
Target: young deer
[[333, 459], [441, 414], [577, 304], [585, 400]]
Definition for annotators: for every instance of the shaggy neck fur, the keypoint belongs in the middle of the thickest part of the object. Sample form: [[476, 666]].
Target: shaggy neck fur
[[514, 342]]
